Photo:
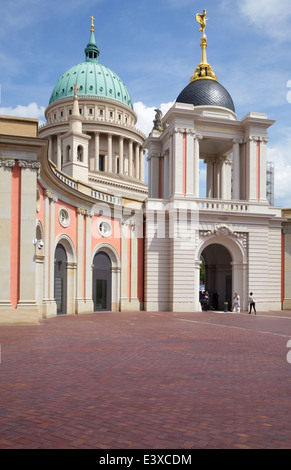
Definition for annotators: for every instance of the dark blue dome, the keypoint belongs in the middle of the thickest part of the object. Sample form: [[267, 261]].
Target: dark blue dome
[[206, 92]]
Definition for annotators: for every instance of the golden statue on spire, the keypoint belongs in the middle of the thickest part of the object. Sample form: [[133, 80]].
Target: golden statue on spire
[[203, 70], [201, 18]]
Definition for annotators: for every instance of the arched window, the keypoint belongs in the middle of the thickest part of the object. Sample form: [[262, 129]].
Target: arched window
[[68, 153], [80, 153]]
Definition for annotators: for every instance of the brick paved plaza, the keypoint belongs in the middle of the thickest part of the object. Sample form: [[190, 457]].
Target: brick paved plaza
[[147, 381]]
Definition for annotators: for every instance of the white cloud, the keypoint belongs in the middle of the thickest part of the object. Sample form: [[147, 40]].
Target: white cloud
[[146, 115], [273, 16], [32, 110]]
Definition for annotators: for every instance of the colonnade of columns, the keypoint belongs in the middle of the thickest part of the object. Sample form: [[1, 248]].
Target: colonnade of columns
[[218, 180], [129, 160], [240, 174]]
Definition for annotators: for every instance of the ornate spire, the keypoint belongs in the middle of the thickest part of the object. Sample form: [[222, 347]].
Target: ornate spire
[[92, 24], [92, 52], [203, 70]]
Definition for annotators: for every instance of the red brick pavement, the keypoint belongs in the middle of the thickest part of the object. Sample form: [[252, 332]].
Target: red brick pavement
[[147, 381]]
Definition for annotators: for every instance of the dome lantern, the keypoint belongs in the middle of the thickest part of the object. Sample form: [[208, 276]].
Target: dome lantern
[[92, 52], [204, 88]]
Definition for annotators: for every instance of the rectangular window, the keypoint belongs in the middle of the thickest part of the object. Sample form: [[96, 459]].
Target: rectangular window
[[101, 163], [70, 112], [101, 112], [91, 111], [111, 114]]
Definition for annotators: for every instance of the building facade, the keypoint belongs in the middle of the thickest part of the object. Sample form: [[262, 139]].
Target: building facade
[[233, 230], [73, 191], [81, 232]]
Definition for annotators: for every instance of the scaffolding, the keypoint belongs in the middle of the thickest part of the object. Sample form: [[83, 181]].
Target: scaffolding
[[270, 183]]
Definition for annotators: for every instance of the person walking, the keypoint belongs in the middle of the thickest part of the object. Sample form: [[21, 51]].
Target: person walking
[[236, 303], [252, 303]]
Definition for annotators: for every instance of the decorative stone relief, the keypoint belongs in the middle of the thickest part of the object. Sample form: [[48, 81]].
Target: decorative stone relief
[[7, 163], [51, 195], [224, 230], [30, 164], [242, 238]]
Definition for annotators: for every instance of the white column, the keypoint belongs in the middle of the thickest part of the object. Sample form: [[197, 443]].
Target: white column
[[121, 155], [5, 224], [228, 163], [27, 233], [80, 260], [141, 164], [124, 267], [251, 175], [178, 162], [137, 161], [209, 189], [109, 152], [49, 307], [235, 171], [130, 153], [134, 269], [222, 179], [196, 165], [149, 177], [59, 152], [217, 178], [53, 200], [97, 151], [50, 149], [88, 263], [190, 163], [166, 175]]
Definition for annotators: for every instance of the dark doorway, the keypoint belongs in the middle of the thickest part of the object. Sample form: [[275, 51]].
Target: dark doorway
[[60, 285], [102, 282], [218, 275]]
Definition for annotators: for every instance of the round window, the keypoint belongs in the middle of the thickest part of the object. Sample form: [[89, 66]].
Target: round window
[[64, 217], [105, 228]]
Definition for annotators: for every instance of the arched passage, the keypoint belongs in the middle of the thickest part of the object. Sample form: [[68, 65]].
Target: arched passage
[[114, 261], [218, 275], [69, 262], [102, 282], [232, 262], [60, 283]]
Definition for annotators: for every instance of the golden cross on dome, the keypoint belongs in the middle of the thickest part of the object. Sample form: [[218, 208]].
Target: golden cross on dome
[[92, 24]]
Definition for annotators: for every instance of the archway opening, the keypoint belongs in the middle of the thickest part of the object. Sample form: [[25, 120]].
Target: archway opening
[[218, 275], [60, 283], [102, 282]]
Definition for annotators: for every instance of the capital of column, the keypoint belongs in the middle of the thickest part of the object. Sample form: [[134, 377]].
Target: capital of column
[[9, 164], [81, 211], [51, 195], [89, 213], [238, 141], [30, 165]]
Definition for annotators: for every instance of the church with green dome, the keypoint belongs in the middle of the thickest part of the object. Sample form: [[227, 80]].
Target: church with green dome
[[113, 148], [95, 80]]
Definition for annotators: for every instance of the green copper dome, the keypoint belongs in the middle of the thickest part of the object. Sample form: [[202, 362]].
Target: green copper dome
[[95, 80]]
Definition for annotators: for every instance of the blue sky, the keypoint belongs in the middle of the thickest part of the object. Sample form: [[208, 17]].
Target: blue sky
[[154, 46]]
